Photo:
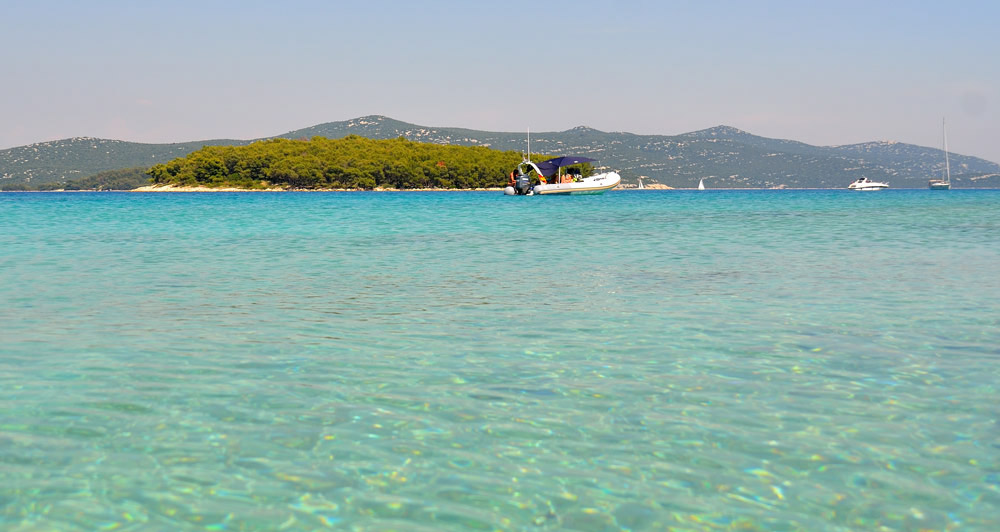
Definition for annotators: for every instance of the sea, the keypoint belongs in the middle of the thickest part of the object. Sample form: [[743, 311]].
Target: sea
[[447, 361]]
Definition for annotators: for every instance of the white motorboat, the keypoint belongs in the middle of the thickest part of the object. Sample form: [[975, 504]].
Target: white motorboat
[[864, 183], [945, 183], [552, 179]]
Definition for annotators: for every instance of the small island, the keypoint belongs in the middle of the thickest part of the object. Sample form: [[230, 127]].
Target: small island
[[349, 163]]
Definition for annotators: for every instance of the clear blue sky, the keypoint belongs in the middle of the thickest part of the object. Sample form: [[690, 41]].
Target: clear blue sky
[[825, 73]]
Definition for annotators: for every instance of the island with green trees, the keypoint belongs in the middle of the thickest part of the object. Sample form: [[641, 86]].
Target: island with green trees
[[723, 156], [348, 163]]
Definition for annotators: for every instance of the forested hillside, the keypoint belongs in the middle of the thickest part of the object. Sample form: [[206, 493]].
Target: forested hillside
[[62, 161], [724, 157]]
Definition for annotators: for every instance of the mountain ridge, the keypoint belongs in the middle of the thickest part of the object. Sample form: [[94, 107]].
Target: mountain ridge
[[725, 156]]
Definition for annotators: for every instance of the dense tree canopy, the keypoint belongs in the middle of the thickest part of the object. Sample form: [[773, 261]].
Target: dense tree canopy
[[352, 162]]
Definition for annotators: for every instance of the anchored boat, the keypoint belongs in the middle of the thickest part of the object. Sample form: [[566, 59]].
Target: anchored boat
[[863, 183], [552, 179], [945, 183]]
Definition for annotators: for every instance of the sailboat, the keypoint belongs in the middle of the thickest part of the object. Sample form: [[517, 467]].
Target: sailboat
[[640, 183], [701, 184], [943, 184]]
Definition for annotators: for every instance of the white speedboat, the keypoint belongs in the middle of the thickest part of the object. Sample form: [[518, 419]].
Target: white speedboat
[[864, 183], [552, 180]]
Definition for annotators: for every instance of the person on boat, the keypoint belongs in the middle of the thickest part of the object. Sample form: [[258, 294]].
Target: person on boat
[[511, 178]]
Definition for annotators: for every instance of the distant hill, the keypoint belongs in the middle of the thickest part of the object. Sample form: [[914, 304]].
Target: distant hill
[[60, 161], [724, 156]]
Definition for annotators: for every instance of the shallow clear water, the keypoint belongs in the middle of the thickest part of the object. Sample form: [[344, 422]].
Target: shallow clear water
[[769, 360]]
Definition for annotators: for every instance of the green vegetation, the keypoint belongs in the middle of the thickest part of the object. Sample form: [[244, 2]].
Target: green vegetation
[[725, 157], [124, 179], [16, 187], [60, 161], [351, 162]]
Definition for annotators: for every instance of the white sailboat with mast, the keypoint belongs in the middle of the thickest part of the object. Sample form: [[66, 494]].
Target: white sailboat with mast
[[943, 184]]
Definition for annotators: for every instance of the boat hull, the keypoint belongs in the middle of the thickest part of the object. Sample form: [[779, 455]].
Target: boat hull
[[592, 185], [939, 185], [863, 183]]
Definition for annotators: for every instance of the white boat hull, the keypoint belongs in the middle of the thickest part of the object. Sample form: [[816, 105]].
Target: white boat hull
[[595, 184], [865, 184]]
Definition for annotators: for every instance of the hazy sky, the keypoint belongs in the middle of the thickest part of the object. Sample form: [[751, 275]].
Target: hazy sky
[[825, 73]]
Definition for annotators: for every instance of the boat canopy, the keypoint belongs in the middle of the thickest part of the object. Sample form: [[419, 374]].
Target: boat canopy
[[551, 166]]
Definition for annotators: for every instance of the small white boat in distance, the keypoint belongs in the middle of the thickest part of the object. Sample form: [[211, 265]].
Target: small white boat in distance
[[701, 184], [571, 182], [864, 183]]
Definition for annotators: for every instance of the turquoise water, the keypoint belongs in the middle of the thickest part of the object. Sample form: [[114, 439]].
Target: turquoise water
[[655, 360]]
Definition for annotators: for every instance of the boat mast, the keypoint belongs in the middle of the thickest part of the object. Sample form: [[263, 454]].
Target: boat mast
[[947, 166]]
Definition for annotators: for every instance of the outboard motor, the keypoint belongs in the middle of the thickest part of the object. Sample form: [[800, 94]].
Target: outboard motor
[[522, 185]]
